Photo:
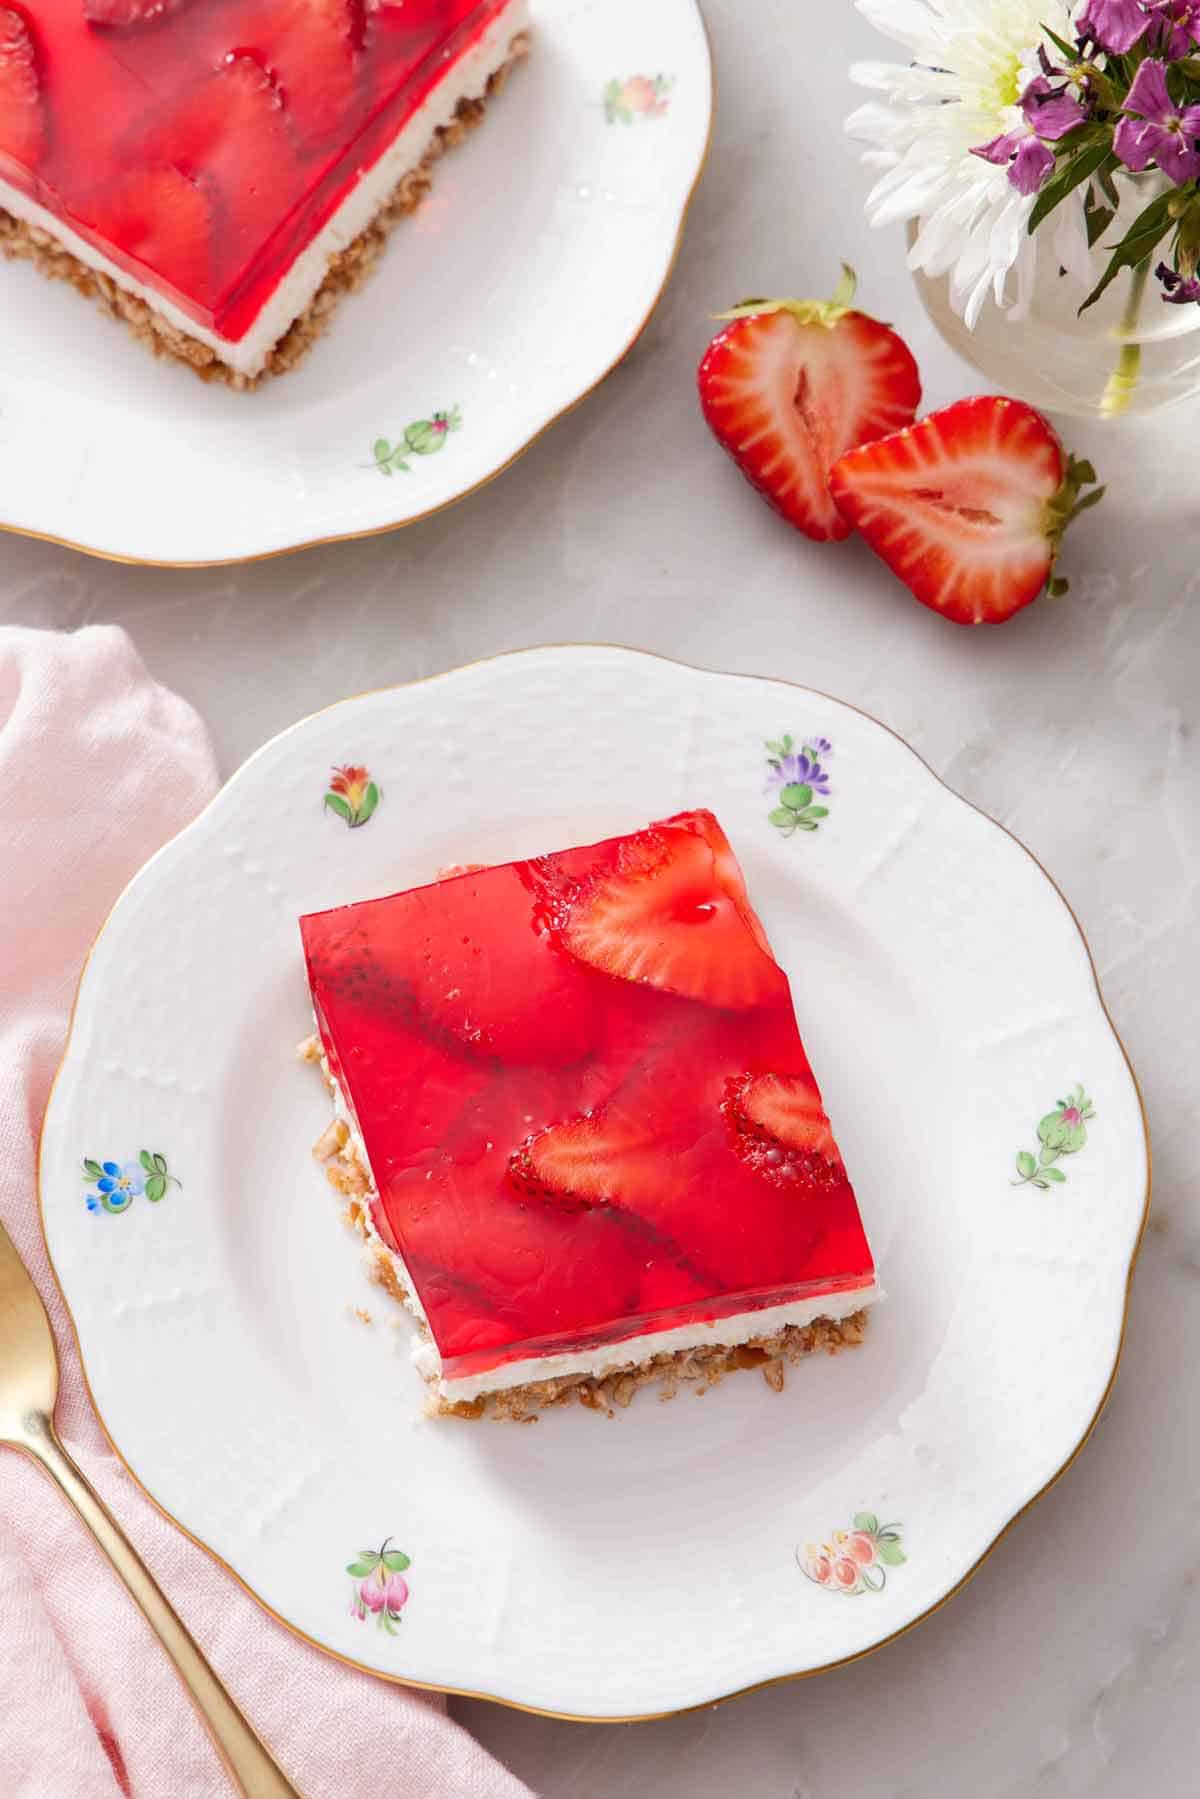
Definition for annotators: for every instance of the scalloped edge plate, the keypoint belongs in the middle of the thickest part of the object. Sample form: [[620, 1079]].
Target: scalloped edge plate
[[678, 1553], [535, 264]]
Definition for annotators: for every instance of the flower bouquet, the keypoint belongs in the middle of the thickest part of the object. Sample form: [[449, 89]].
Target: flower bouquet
[[1046, 156]]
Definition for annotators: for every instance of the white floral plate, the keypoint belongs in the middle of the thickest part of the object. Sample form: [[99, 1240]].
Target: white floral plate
[[546, 242], [680, 1552]]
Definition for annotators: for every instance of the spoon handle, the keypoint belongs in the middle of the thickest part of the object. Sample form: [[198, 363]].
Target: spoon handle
[[252, 1768]]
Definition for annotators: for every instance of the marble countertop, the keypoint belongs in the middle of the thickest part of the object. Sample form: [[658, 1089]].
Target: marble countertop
[[1065, 1667]]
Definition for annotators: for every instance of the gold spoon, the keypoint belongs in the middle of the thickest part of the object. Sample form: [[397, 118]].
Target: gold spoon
[[28, 1390]]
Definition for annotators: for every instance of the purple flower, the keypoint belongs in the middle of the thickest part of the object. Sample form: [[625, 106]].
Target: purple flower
[[1049, 113], [819, 746], [801, 768], [1177, 23], [1115, 25], [1160, 132], [1179, 290], [1029, 161], [1052, 111]]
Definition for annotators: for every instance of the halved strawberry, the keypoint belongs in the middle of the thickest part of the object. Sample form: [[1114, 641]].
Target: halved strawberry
[[788, 1108], [159, 217], [969, 506], [789, 385], [675, 915], [22, 118], [119, 13]]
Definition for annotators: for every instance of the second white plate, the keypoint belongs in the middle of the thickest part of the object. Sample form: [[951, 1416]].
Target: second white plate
[[514, 290]]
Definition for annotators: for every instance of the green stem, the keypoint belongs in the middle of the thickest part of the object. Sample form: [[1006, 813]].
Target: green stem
[[1118, 391]]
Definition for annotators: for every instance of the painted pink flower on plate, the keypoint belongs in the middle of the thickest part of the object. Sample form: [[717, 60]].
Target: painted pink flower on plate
[[856, 1560], [379, 1585], [638, 96]]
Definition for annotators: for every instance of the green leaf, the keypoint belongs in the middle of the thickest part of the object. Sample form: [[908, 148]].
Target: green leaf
[[92, 1169], [1138, 243], [337, 804], [365, 1564], [782, 818], [1108, 187], [1053, 1174], [796, 795], [891, 1554], [1046, 1154], [396, 463], [160, 1163], [1072, 169], [776, 749], [1088, 499], [147, 1161], [1096, 218], [369, 803], [866, 1521], [1042, 1186], [156, 1186], [803, 822], [1026, 1165], [381, 449], [397, 1561], [1067, 50], [817, 812]]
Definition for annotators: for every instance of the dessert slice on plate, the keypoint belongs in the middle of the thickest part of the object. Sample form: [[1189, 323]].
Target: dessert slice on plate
[[578, 1127], [219, 172]]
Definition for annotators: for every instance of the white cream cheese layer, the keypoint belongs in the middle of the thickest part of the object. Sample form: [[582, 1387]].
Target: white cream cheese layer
[[247, 354], [726, 1332]]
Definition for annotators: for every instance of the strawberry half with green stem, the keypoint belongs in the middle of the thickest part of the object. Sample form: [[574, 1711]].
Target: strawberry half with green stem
[[789, 385], [968, 507]]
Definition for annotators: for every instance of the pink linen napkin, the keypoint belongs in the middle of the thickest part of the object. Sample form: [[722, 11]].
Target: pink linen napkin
[[99, 765]]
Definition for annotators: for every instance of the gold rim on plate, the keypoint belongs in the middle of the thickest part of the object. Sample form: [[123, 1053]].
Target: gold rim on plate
[[774, 1679], [401, 524]]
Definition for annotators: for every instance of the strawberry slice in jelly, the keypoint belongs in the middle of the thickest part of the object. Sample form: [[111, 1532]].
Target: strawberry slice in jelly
[[584, 1099], [22, 110]]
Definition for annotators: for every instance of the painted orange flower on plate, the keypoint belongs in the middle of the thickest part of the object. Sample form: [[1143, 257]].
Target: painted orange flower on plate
[[352, 794]]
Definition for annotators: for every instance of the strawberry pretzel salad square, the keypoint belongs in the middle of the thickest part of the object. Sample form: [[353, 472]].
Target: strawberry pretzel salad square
[[577, 1127], [218, 173]]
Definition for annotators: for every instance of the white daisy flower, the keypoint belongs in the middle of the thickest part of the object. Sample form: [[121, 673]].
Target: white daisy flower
[[971, 60]]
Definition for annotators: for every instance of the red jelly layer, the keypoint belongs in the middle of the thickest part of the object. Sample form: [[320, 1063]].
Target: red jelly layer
[[201, 144], [584, 1097]]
